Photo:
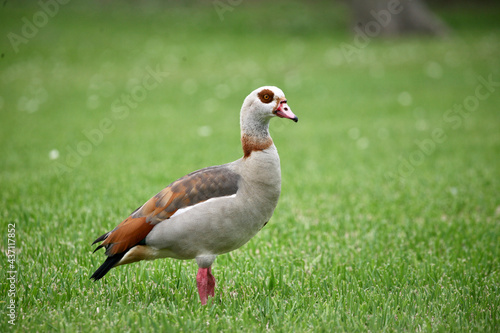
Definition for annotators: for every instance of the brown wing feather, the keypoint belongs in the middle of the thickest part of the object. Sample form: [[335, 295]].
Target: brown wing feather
[[189, 190]]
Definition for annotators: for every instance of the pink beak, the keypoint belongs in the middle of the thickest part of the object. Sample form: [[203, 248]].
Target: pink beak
[[284, 111]]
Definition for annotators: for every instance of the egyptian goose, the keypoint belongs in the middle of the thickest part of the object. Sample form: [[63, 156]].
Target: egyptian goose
[[211, 211]]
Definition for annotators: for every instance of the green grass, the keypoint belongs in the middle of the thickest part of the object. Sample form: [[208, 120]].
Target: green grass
[[357, 242]]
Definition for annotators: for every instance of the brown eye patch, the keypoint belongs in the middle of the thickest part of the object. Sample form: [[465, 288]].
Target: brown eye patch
[[266, 96]]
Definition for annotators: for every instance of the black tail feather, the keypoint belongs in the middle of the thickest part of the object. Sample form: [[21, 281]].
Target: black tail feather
[[97, 248], [101, 238], [107, 265]]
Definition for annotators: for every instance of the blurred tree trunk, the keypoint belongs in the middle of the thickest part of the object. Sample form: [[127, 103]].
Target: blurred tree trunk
[[395, 18]]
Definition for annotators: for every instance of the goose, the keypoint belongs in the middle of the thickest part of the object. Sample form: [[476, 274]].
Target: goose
[[210, 211]]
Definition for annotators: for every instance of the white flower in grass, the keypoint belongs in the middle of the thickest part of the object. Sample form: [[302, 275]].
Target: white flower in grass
[[54, 154]]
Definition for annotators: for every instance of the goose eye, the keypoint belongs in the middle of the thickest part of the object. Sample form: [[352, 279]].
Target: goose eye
[[266, 96]]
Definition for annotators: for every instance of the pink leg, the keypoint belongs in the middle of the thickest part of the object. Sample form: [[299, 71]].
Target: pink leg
[[206, 284]]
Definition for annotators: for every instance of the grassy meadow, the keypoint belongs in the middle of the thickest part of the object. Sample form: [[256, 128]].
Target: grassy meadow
[[389, 218]]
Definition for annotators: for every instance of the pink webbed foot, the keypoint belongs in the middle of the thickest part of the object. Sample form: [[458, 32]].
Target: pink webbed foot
[[205, 282]]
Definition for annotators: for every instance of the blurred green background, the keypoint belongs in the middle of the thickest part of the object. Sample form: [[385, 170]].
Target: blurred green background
[[390, 211]]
